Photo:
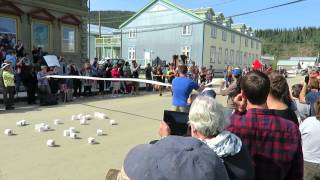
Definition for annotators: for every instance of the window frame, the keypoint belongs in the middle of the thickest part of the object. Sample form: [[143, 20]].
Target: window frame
[[34, 21], [224, 35], [219, 55], [75, 37], [17, 20], [214, 32], [246, 42], [188, 30], [132, 56], [132, 33], [226, 55], [213, 54]]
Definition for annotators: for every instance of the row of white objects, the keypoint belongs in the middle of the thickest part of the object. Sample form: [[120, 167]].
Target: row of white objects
[[52, 143]]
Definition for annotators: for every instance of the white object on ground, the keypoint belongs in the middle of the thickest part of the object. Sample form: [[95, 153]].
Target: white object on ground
[[79, 116], [91, 140], [88, 117], [100, 115], [99, 132], [47, 127], [8, 132], [73, 135], [51, 143], [57, 122], [41, 129], [21, 123], [74, 117], [113, 122], [66, 133], [72, 130], [83, 121]]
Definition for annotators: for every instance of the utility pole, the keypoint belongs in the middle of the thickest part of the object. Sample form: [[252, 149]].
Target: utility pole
[[100, 48], [89, 34]]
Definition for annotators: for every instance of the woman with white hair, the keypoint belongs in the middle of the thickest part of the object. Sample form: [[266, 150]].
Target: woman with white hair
[[207, 121]]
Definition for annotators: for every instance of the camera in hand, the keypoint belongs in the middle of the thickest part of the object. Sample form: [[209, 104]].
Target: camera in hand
[[178, 122], [306, 79]]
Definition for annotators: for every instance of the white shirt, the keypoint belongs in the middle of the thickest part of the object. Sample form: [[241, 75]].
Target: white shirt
[[310, 129]]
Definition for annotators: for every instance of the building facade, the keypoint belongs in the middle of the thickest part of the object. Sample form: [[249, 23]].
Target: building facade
[[105, 42], [162, 29], [58, 26]]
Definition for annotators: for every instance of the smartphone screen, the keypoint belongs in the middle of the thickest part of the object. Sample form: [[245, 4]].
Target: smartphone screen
[[177, 121]]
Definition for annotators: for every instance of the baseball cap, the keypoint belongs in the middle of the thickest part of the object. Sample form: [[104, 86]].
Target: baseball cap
[[173, 158], [4, 65], [236, 71]]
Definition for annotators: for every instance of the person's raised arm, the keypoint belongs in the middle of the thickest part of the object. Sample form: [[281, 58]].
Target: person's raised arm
[[302, 95]]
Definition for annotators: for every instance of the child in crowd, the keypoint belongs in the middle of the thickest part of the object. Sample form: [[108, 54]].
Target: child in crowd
[[115, 73]]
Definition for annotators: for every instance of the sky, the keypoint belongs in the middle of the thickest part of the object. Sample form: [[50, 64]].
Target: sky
[[303, 14]]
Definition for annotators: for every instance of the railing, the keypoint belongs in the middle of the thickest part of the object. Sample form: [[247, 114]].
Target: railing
[[108, 41]]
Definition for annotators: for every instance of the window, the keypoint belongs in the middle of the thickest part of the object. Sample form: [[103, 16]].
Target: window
[[219, 55], [252, 42], [231, 57], [237, 58], [226, 56], [233, 38], [186, 30], [240, 58], [245, 58], [224, 35], [132, 33], [246, 42], [132, 53], [213, 32], [186, 50], [41, 35], [213, 54], [69, 39], [257, 45], [9, 26]]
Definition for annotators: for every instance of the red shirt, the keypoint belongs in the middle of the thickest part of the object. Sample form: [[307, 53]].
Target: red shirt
[[115, 73], [273, 142]]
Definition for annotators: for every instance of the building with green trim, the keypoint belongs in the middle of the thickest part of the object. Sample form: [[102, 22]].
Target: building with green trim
[[162, 29], [58, 26]]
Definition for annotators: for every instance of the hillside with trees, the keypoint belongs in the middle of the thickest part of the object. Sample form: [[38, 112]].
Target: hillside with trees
[[284, 43]]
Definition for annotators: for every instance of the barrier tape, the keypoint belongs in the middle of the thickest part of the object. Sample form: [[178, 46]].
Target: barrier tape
[[110, 79]]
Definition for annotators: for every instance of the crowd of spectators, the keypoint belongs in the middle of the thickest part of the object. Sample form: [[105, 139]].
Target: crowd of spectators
[[267, 131]]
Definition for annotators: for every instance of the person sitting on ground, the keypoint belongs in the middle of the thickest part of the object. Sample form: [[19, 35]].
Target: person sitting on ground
[[310, 97], [207, 122], [171, 158], [181, 89], [279, 98], [9, 86], [310, 129], [274, 143], [232, 90], [303, 110]]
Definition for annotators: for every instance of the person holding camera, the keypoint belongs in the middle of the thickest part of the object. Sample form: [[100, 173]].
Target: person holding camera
[[310, 91]]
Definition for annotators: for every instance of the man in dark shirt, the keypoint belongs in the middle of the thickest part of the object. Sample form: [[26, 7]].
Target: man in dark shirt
[[273, 142]]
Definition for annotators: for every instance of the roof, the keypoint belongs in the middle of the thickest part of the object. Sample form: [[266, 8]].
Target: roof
[[94, 29], [167, 2], [293, 62], [304, 58]]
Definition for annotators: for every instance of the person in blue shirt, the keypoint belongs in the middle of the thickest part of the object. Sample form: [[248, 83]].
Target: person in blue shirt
[[12, 58], [181, 88]]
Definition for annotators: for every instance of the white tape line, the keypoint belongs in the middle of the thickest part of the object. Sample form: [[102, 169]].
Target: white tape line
[[110, 79]]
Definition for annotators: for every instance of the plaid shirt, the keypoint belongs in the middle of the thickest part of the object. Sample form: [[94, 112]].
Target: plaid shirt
[[274, 144]]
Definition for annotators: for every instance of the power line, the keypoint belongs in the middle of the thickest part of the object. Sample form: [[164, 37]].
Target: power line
[[272, 7]]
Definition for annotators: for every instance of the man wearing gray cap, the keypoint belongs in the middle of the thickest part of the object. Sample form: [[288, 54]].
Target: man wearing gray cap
[[172, 158]]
